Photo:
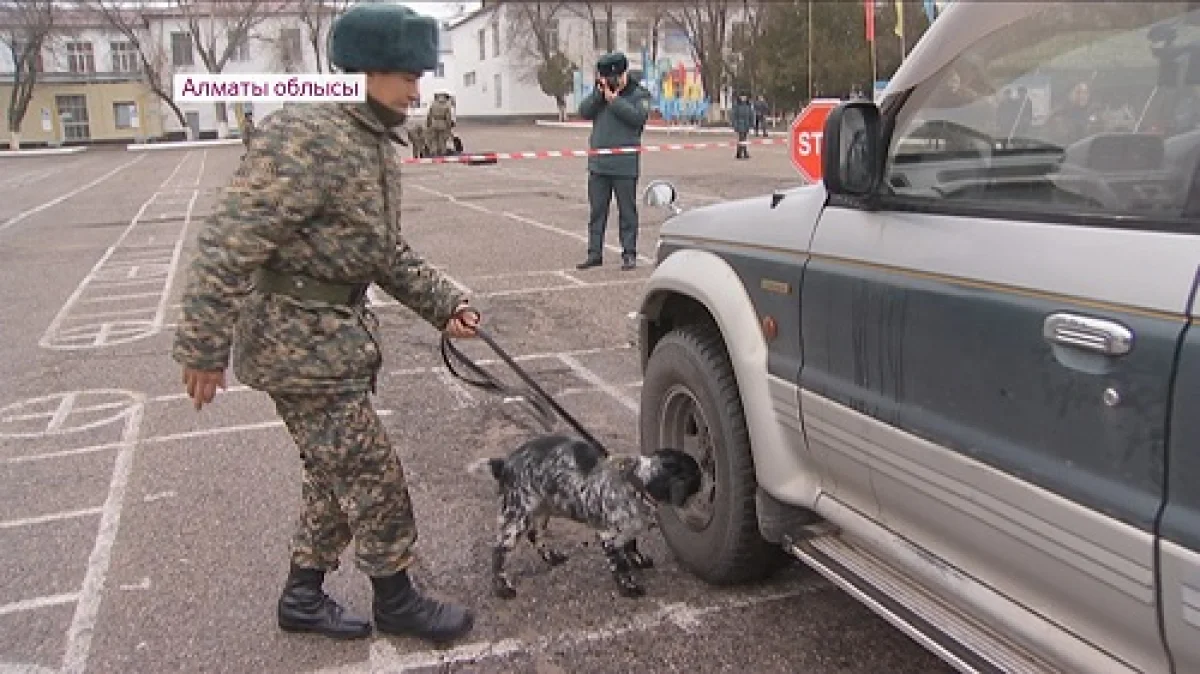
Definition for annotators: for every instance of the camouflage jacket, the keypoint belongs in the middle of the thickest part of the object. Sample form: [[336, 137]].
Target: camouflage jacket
[[318, 193], [440, 116]]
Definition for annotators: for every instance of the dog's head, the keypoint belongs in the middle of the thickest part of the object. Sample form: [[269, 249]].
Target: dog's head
[[671, 476]]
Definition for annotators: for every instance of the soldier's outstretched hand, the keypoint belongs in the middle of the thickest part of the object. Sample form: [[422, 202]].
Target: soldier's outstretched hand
[[202, 384], [463, 322]]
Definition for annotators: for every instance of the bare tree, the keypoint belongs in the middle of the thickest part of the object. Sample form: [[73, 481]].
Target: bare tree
[[219, 29], [157, 72], [600, 16], [25, 27], [318, 16], [743, 64], [706, 24], [535, 43]]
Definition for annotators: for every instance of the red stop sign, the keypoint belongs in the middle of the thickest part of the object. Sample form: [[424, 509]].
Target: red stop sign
[[806, 135]]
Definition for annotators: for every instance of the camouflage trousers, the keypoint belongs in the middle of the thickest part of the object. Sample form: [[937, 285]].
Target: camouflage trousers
[[438, 139], [353, 487]]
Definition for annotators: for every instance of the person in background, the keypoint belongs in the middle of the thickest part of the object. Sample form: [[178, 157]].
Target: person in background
[[742, 118], [618, 108], [761, 110]]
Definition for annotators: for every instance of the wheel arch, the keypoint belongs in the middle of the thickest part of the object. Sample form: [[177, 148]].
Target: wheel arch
[[695, 286]]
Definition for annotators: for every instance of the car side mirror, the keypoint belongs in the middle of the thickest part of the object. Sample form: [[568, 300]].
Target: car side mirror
[[663, 194], [850, 151]]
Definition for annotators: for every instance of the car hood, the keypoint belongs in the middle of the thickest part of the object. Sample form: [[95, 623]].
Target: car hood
[[752, 221]]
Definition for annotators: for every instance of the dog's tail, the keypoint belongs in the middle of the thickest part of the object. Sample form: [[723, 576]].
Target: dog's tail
[[485, 466]]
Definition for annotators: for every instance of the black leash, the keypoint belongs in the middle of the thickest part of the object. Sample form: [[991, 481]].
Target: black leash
[[489, 382]]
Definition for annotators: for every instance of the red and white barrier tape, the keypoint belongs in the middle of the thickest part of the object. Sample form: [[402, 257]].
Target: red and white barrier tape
[[545, 154]]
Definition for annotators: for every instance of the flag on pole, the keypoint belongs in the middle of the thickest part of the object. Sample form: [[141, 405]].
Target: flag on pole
[[899, 18], [869, 8]]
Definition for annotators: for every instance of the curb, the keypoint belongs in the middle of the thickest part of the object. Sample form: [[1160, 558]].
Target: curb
[[41, 152], [169, 145], [648, 129]]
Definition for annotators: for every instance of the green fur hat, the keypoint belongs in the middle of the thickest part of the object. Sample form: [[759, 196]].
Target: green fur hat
[[384, 38]]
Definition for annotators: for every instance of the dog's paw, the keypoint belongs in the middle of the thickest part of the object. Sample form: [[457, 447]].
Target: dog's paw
[[553, 557], [503, 589]]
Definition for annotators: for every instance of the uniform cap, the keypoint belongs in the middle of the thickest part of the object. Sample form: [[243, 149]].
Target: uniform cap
[[612, 64], [373, 37]]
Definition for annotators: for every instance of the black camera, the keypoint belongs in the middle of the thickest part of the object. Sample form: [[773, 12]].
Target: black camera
[[612, 82]]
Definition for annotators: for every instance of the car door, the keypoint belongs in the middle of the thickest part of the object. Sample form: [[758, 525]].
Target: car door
[[1179, 533], [995, 337]]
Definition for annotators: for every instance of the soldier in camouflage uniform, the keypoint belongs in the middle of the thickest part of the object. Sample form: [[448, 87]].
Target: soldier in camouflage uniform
[[439, 121], [310, 220]]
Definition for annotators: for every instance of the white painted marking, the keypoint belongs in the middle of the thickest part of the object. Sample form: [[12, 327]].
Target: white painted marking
[[59, 199], [52, 517], [83, 624], [38, 602], [151, 498], [552, 289], [175, 255], [58, 407], [572, 279], [520, 359], [462, 397], [112, 314], [384, 656], [144, 584], [600, 383], [102, 334], [66, 453], [564, 232]]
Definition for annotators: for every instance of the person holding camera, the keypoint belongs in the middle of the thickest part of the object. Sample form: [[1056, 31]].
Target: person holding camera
[[618, 108]]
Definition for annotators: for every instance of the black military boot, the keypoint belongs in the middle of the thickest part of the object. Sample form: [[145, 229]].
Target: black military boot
[[401, 610], [304, 607], [590, 262]]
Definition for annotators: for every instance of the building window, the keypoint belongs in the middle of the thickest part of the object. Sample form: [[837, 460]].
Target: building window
[[124, 113], [637, 34], [291, 48], [181, 49], [482, 44], [124, 57], [496, 40], [80, 57], [441, 70], [73, 112], [497, 81], [675, 40], [552, 35], [469, 79], [241, 50]]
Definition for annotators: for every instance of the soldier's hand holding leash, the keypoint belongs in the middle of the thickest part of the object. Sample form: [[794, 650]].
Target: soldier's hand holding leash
[[463, 323]]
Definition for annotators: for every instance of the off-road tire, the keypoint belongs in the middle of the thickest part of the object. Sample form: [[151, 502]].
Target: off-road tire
[[730, 549]]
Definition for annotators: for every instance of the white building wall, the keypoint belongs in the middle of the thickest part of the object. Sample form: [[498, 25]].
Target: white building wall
[[54, 50], [475, 75]]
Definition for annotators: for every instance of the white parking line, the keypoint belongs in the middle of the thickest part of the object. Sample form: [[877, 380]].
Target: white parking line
[[385, 657], [119, 263], [39, 602], [53, 517], [83, 624], [600, 383], [58, 200]]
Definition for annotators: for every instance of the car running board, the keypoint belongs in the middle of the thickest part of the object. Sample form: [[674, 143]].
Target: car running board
[[957, 639]]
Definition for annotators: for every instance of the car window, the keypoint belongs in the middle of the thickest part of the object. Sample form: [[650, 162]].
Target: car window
[[1079, 108]]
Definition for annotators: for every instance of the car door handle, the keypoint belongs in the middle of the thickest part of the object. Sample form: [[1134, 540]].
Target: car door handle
[[1091, 334]]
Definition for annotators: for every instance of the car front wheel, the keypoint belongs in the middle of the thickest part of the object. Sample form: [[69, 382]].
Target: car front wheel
[[690, 402]]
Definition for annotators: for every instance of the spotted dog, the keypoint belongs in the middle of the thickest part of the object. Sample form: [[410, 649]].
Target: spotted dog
[[566, 477]]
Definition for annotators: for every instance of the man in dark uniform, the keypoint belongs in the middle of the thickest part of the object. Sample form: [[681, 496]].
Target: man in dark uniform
[[310, 220], [618, 108], [742, 119]]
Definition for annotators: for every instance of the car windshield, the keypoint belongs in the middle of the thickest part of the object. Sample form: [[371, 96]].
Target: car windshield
[[1082, 105]]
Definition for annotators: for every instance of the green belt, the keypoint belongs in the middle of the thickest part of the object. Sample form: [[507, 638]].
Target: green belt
[[308, 288]]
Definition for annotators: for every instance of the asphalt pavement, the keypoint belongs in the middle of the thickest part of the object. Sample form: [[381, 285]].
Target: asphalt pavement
[[137, 535]]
